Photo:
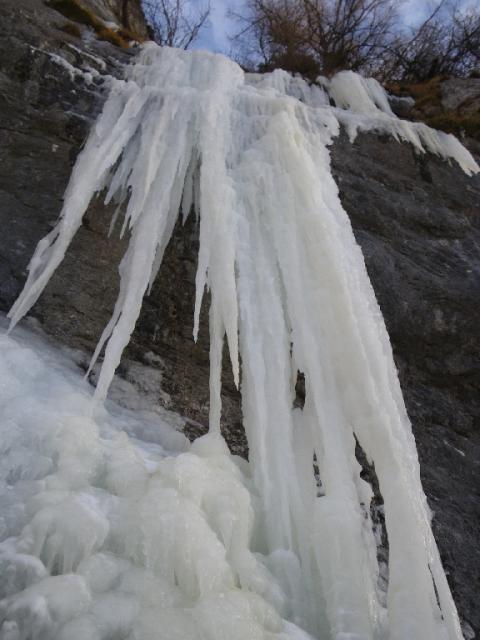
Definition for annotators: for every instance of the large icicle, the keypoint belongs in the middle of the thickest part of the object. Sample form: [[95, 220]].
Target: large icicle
[[289, 287]]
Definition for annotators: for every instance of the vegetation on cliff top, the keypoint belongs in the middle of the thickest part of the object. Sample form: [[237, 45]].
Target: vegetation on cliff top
[[430, 106], [77, 12], [322, 37]]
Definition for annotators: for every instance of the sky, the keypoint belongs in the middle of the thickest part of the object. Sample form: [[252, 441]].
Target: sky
[[215, 36]]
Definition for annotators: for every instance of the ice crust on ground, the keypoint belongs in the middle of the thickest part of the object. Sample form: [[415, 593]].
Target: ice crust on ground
[[108, 535], [290, 292]]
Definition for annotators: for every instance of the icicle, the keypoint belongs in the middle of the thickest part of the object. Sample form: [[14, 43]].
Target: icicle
[[289, 288]]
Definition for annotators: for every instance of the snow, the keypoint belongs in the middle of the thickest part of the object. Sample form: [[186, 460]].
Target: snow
[[88, 74], [101, 64], [74, 72], [290, 292], [106, 534]]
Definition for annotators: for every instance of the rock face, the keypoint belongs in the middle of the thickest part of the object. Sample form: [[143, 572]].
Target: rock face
[[113, 14], [462, 95], [416, 218], [417, 221], [448, 104]]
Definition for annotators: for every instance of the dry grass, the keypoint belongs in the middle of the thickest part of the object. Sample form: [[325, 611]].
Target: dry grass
[[72, 29], [75, 11], [428, 108], [109, 35], [128, 35], [457, 124], [424, 93]]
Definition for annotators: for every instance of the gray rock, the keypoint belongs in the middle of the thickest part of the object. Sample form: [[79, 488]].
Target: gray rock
[[461, 95], [401, 106], [416, 218]]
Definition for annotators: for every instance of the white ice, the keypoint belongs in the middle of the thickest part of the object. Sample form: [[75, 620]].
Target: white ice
[[290, 292], [108, 535]]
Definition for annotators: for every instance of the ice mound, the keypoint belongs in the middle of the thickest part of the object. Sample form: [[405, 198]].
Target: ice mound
[[106, 536]]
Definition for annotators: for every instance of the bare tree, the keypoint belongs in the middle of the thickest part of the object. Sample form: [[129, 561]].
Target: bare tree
[[174, 23], [350, 34], [325, 35], [467, 37], [282, 34], [271, 34], [446, 43]]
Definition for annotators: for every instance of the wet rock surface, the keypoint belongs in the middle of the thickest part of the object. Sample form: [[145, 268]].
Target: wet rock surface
[[416, 217]]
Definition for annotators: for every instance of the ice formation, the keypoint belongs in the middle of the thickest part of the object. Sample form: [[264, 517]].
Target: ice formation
[[290, 292], [107, 535]]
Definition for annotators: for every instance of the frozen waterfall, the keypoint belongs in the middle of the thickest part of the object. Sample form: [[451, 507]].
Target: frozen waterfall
[[249, 155]]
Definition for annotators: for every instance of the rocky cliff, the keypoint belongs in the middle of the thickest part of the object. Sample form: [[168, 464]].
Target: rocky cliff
[[416, 218]]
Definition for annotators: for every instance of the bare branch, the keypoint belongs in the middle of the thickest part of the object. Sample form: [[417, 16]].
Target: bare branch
[[325, 36], [174, 23]]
